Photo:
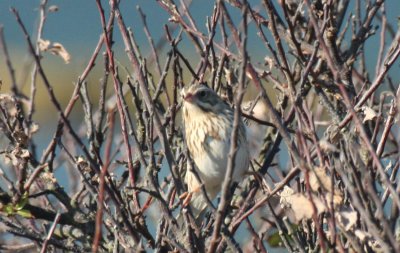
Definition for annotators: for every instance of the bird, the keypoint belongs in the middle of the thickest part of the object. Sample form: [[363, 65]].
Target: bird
[[208, 125]]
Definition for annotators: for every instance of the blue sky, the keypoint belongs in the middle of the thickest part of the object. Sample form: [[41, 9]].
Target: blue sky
[[77, 26]]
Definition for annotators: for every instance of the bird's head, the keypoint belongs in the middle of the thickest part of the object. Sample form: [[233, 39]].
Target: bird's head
[[201, 97]]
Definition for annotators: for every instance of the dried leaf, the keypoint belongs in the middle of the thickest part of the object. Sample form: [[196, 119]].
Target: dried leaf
[[25, 153], [18, 156], [7, 159], [34, 128], [337, 197], [301, 205], [53, 8], [320, 179], [376, 246], [49, 177], [269, 62], [21, 137], [285, 195], [369, 113], [43, 44], [59, 50], [389, 166], [365, 154], [362, 235], [334, 133], [54, 48], [328, 147], [228, 75], [366, 237], [347, 219], [80, 160], [6, 97]]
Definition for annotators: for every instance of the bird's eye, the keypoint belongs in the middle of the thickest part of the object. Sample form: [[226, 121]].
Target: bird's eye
[[202, 94]]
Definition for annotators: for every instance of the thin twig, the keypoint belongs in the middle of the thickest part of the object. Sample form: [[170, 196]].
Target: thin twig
[[50, 234]]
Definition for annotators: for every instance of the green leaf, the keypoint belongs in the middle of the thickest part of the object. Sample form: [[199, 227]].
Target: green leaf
[[9, 209], [22, 202], [25, 213], [274, 240]]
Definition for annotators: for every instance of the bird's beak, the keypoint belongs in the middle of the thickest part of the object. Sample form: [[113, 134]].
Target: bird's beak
[[188, 97]]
